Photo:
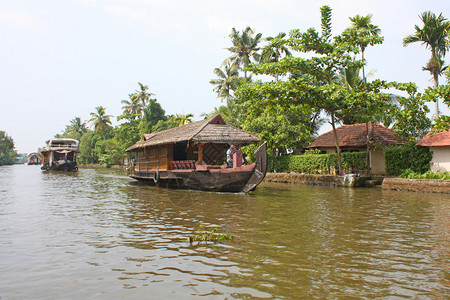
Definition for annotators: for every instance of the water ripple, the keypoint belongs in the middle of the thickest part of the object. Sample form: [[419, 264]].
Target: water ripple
[[96, 234]]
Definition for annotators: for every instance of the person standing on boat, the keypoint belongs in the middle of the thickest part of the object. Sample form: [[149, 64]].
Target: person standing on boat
[[230, 153]]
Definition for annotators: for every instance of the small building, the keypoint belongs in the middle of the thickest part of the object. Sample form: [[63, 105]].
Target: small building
[[353, 138], [439, 144]]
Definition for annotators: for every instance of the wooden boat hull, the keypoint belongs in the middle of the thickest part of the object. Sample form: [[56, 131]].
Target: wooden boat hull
[[236, 180], [69, 167]]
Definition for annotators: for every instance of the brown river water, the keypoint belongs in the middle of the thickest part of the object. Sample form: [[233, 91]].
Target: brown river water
[[96, 234]]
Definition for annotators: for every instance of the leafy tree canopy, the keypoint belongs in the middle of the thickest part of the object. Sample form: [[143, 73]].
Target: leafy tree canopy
[[7, 152]]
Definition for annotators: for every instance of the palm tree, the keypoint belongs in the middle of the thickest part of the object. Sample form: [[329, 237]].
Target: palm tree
[[183, 119], [274, 50], [226, 83], [245, 47], [101, 122], [435, 35], [365, 34], [349, 78], [76, 125], [142, 95], [132, 106]]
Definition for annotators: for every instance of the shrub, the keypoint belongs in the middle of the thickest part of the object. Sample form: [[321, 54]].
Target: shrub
[[410, 174], [317, 163], [412, 157]]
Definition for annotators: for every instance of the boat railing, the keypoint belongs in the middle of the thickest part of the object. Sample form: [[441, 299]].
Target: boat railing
[[183, 164], [61, 148], [143, 166]]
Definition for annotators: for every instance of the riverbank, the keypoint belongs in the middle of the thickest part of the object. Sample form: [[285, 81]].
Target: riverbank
[[349, 180], [417, 185], [388, 183], [102, 167]]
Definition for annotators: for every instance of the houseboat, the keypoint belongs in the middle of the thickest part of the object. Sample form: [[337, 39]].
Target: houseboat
[[193, 156], [34, 159], [60, 154]]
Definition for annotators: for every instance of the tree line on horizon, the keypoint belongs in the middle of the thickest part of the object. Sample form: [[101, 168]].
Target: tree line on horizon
[[312, 74]]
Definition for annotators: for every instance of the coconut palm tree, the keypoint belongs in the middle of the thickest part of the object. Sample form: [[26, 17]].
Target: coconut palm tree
[[435, 35], [101, 122], [142, 95], [226, 83], [273, 51], [244, 49], [77, 126], [132, 106], [183, 119], [365, 34]]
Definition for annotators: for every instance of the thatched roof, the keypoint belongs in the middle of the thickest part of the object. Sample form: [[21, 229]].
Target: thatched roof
[[438, 139], [356, 136], [213, 130]]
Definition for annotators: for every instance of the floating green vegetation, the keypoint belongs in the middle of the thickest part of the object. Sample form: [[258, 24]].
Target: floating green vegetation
[[205, 236]]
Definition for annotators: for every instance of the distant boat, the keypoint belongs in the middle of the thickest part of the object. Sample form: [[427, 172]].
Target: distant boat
[[60, 154], [34, 159], [192, 157]]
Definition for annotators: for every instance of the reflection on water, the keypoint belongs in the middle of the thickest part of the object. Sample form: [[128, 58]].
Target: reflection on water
[[97, 234]]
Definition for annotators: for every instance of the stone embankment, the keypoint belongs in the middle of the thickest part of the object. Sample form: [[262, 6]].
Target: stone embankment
[[417, 185], [351, 180]]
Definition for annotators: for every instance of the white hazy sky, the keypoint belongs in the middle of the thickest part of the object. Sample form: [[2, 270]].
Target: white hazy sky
[[60, 59]]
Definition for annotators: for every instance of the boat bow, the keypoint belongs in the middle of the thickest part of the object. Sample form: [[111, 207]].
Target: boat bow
[[260, 169]]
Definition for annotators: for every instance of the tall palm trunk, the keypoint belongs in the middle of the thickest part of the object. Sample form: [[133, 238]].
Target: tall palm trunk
[[362, 58], [338, 148], [104, 138], [367, 123], [436, 84]]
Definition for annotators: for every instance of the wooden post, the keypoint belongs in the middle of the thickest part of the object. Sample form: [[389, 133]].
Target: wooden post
[[200, 153], [237, 158]]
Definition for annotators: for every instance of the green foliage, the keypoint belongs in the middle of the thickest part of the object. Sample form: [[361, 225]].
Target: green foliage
[[127, 133], [326, 21], [244, 49], [313, 151], [170, 122], [106, 144], [282, 127], [317, 163], [314, 82], [153, 113], [401, 158], [87, 145], [75, 129], [204, 236], [410, 174], [227, 82], [249, 152], [442, 92], [7, 152]]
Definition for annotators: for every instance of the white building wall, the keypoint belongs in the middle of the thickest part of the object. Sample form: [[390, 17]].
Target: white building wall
[[441, 159]]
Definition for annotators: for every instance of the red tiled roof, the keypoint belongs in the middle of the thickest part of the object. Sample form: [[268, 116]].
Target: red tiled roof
[[356, 136], [438, 139]]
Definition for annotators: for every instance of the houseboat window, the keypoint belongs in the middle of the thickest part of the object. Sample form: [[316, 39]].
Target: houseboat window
[[179, 151]]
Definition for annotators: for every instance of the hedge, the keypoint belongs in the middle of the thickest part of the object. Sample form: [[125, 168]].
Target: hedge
[[410, 156], [317, 163]]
